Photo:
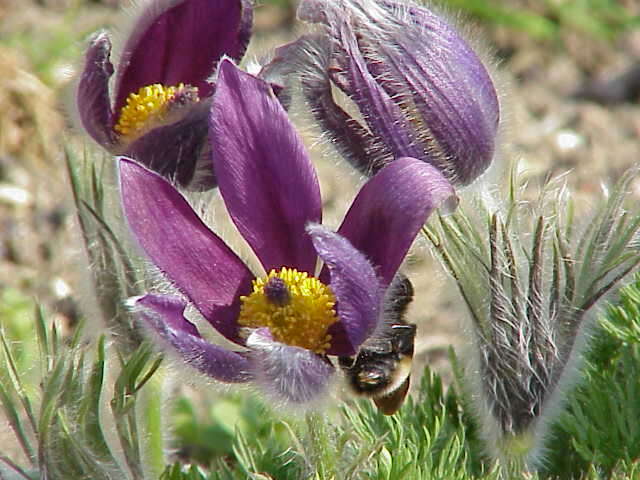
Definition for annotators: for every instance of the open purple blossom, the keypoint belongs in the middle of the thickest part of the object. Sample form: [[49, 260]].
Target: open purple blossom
[[417, 84], [286, 320], [157, 112]]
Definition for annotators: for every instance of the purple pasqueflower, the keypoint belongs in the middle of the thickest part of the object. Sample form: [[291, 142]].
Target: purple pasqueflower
[[419, 87], [285, 320], [157, 112]]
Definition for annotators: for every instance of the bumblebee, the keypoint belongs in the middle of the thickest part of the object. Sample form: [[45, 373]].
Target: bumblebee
[[382, 368]]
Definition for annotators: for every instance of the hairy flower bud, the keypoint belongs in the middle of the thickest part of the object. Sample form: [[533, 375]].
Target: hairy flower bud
[[418, 86], [529, 278]]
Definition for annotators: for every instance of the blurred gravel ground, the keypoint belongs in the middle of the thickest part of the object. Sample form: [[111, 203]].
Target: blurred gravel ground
[[548, 130]]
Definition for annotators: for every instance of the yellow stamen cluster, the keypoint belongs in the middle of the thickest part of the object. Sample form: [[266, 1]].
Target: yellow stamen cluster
[[142, 108], [301, 320]]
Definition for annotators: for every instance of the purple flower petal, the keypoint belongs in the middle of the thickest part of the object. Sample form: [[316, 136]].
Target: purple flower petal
[[94, 105], [194, 258], [453, 94], [165, 316], [356, 287], [181, 41], [312, 11], [264, 173], [277, 72], [390, 210], [385, 118], [180, 150], [292, 375], [245, 30], [418, 84], [354, 142]]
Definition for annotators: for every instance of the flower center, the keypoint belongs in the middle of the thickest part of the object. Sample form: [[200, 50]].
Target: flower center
[[150, 105], [297, 309]]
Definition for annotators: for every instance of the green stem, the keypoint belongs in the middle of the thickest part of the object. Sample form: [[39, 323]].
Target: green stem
[[149, 408], [322, 455]]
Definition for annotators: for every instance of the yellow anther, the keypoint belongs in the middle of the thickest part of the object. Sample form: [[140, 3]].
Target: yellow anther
[[297, 309], [146, 107]]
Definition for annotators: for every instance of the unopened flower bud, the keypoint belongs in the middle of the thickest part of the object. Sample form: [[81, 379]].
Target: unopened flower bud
[[419, 87]]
